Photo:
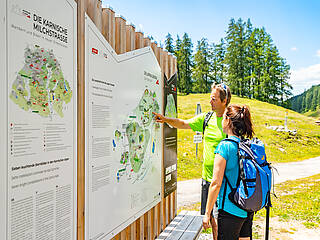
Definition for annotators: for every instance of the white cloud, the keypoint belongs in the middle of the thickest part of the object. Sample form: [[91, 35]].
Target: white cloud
[[293, 49], [318, 53], [304, 78]]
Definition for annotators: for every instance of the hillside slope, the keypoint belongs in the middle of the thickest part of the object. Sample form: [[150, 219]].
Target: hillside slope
[[280, 146], [307, 101]]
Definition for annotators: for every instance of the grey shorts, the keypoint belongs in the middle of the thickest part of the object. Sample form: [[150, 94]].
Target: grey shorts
[[204, 196]]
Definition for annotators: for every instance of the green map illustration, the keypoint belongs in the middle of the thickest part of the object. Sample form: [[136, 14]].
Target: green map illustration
[[171, 110], [136, 139], [40, 86]]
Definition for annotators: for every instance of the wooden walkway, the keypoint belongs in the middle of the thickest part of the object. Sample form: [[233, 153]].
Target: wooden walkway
[[187, 225]]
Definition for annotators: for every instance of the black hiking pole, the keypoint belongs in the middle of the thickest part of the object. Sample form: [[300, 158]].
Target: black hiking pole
[[267, 217], [267, 222]]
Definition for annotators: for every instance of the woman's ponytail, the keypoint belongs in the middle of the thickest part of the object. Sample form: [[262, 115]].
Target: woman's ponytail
[[240, 120]]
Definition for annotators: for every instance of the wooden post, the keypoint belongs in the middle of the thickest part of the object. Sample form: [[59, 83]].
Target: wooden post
[[80, 118], [123, 234], [146, 42], [130, 37], [139, 40], [90, 8], [98, 14], [120, 35], [130, 43], [141, 236], [146, 225], [108, 26], [159, 205], [154, 48], [133, 231]]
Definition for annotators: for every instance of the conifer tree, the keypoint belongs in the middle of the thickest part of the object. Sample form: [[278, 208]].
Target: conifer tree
[[169, 43], [201, 68], [185, 64]]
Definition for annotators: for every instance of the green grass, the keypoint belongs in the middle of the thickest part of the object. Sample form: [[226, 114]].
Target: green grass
[[298, 200], [280, 147], [315, 114]]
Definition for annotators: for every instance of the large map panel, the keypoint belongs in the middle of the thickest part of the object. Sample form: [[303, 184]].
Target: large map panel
[[123, 142], [3, 122], [41, 119]]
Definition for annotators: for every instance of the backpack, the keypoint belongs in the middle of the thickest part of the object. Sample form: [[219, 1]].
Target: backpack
[[206, 120], [252, 191], [253, 188]]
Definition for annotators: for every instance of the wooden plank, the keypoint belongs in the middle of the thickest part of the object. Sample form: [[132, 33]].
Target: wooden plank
[[98, 14], [90, 8], [146, 42], [138, 228], [175, 204], [171, 206], [151, 223], [123, 235], [169, 65], [138, 40], [120, 46], [80, 118], [168, 209], [128, 232], [158, 225], [146, 225], [154, 48], [141, 228], [171, 226], [177, 232], [133, 231], [104, 21], [193, 230], [130, 37], [108, 25]]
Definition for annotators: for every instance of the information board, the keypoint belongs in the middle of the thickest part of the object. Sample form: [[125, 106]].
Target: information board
[[123, 141], [39, 119], [170, 136], [3, 123]]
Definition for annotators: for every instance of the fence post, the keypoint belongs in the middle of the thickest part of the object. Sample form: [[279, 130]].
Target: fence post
[[81, 7], [120, 46], [139, 40], [130, 37]]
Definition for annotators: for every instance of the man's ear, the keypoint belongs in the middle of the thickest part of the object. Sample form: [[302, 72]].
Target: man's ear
[[225, 102]]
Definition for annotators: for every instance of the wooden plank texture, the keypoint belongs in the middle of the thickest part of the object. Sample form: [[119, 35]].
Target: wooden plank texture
[[81, 5]]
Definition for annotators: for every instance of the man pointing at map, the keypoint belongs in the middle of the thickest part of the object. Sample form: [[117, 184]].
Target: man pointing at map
[[212, 133]]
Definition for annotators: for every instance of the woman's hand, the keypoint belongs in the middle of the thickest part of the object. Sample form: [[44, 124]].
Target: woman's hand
[[206, 222]]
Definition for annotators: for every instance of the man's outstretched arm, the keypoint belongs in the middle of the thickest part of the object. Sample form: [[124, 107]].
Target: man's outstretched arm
[[174, 122]]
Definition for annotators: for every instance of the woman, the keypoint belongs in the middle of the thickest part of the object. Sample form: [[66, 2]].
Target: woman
[[233, 222]]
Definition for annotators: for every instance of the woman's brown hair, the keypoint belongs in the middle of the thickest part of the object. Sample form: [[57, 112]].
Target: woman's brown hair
[[240, 120]]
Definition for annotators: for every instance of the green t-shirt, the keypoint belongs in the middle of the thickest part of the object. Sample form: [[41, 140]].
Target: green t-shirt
[[212, 137]]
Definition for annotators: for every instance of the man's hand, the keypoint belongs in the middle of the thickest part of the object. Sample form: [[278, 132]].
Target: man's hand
[[159, 117]]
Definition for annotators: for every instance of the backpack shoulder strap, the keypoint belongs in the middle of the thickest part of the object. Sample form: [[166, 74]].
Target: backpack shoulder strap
[[206, 120]]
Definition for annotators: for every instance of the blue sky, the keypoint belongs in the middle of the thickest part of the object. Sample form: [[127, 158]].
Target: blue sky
[[293, 25]]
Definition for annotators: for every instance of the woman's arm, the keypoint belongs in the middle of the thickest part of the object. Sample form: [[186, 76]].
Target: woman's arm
[[218, 173]]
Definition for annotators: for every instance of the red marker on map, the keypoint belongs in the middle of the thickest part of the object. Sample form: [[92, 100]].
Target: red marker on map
[[95, 51]]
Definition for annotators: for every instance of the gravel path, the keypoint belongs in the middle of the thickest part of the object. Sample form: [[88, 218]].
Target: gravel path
[[189, 191]]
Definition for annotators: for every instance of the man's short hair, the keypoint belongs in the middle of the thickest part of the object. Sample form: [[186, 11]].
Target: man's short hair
[[224, 91]]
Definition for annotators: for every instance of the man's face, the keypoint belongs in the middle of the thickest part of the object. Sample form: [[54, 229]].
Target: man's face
[[215, 101]]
